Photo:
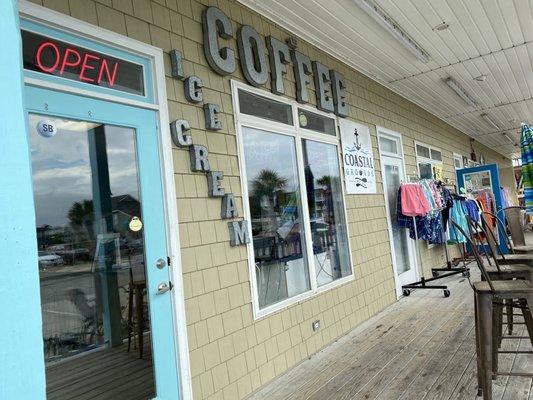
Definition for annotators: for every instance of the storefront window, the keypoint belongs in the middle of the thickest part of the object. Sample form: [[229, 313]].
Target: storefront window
[[458, 161], [253, 104], [429, 161], [331, 257], [274, 200], [294, 202], [316, 122]]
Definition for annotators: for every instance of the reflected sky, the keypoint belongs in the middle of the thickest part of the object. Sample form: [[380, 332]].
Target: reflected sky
[[61, 166], [321, 158], [267, 150]]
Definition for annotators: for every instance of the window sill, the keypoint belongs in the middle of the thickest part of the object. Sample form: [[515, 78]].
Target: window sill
[[264, 312]]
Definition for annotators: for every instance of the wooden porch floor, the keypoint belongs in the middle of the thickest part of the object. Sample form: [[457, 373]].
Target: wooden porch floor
[[109, 374], [422, 347]]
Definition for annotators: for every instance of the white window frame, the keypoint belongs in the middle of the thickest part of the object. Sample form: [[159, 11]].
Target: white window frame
[[459, 157], [298, 133], [426, 160]]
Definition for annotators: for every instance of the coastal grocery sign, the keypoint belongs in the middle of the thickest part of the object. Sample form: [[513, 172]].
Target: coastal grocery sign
[[256, 68]]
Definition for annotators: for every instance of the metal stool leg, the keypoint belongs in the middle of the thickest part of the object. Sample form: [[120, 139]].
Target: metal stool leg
[[485, 311], [510, 311], [497, 327], [478, 350], [528, 315]]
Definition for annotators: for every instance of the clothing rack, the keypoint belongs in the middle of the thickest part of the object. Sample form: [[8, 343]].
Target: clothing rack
[[451, 266], [436, 272]]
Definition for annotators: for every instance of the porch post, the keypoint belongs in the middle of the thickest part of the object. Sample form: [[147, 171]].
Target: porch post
[[21, 346]]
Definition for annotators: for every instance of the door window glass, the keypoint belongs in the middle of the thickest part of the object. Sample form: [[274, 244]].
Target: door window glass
[[388, 145], [96, 329], [399, 235]]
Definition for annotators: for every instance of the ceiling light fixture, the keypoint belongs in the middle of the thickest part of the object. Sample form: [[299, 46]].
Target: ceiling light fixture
[[393, 28], [481, 78], [460, 91], [441, 27], [490, 121], [509, 139]]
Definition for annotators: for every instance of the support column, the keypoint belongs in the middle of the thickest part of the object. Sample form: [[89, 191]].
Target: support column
[[21, 343]]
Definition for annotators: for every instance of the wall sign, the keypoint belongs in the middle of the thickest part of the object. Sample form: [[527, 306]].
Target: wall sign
[[54, 57], [217, 29], [358, 158], [255, 65]]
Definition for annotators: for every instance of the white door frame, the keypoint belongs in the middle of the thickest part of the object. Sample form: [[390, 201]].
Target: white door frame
[[49, 17], [384, 132]]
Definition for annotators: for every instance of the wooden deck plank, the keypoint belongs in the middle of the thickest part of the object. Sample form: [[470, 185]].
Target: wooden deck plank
[[413, 354], [374, 360], [505, 363], [420, 348], [332, 362], [454, 375], [416, 380], [520, 387], [366, 365], [107, 374]]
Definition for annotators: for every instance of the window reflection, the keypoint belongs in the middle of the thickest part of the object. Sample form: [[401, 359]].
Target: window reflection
[[273, 195], [326, 212]]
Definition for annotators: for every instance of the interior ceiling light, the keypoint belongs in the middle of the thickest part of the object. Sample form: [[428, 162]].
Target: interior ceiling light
[[460, 91], [481, 77], [490, 121], [393, 28], [441, 27]]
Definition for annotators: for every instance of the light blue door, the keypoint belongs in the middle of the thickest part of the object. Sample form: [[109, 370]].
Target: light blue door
[[484, 181], [107, 312]]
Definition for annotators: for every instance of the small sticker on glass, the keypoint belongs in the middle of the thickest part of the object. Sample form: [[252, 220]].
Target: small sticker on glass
[[46, 128], [135, 224]]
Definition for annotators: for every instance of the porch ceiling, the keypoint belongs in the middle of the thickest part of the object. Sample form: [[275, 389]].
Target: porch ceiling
[[489, 37]]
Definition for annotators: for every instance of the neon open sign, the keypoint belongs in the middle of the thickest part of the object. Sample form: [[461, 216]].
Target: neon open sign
[[65, 60]]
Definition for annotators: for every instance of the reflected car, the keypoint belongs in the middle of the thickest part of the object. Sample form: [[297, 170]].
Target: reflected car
[[69, 253], [49, 259]]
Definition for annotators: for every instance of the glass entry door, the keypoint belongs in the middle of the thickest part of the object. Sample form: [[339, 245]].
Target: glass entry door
[[393, 174], [105, 300]]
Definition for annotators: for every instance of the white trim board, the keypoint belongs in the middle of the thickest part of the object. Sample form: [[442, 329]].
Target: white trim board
[[380, 131], [64, 22]]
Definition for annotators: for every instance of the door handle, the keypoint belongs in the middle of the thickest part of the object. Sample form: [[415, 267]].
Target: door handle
[[164, 287]]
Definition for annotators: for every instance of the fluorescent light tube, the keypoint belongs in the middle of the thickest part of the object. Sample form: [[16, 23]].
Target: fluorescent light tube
[[490, 121], [506, 135], [393, 28], [460, 91]]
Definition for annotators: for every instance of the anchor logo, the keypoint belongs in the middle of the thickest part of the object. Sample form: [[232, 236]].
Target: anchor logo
[[357, 144]]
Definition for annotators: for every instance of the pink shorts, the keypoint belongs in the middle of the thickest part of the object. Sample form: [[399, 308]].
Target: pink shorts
[[414, 203]]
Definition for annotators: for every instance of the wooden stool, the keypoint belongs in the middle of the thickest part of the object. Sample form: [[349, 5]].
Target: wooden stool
[[526, 258], [498, 272], [136, 291], [488, 312], [487, 329], [513, 215]]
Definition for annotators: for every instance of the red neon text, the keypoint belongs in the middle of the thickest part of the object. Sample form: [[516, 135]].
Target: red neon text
[[87, 67]]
